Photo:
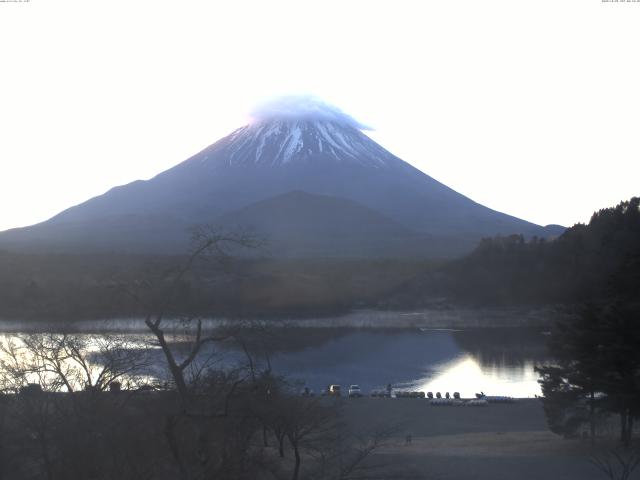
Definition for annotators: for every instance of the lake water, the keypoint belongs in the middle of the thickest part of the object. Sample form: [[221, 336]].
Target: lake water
[[496, 361]]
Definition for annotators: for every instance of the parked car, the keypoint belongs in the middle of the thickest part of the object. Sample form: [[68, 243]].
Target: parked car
[[31, 389], [334, 391], [354, 391]]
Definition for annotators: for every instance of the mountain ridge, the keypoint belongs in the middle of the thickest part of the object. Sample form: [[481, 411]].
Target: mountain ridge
[[264, 160]]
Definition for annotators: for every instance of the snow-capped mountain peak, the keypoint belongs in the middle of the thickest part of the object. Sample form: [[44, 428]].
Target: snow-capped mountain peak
[[305, 147], [279, 142], [298, 130]]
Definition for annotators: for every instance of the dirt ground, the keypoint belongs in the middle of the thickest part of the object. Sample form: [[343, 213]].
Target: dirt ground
[[498, 441]]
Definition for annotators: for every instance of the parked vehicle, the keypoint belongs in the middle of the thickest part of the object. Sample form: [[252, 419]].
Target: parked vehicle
[[354, 391], [31, 389], [334, 391]]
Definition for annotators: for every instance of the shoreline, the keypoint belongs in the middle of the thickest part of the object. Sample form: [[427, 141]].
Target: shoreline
[[431, 319]]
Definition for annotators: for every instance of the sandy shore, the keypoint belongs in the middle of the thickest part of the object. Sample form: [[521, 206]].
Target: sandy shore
[[499, 441]]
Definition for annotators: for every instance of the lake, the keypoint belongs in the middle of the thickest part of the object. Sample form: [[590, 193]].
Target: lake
[[496, 361]]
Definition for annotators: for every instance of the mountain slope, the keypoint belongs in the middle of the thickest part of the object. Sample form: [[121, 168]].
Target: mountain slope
[[262, 160], [299, 224]]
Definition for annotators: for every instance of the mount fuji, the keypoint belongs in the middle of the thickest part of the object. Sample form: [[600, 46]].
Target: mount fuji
[[304, 176]]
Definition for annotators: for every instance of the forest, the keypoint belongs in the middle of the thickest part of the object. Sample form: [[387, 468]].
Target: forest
[[584, 262], [587, 261]]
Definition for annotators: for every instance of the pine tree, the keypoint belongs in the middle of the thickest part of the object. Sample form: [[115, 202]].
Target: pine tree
[[598, 369]]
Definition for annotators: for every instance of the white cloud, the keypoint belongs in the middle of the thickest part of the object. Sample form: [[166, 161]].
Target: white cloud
[[302, 107]]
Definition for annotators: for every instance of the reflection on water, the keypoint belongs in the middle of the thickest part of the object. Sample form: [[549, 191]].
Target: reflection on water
[[495, 361], [467, 376], [503, 346]]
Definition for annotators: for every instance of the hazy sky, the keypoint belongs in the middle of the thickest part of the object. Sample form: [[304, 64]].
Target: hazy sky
[[529, 107]]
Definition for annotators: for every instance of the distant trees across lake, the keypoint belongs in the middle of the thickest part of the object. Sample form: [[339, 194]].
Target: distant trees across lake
[[79, 287], [585, 262]]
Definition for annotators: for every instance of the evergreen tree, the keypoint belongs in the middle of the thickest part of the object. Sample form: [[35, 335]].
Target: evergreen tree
[[570, 388], [598, 369]]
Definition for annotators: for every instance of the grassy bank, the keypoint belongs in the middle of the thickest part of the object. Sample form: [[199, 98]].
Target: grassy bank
[[499, 441]]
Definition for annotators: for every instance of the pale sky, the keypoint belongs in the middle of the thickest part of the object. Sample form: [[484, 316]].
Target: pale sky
[[529, 107]]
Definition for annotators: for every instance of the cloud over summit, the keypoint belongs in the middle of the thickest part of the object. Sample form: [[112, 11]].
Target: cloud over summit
[[303, 107]]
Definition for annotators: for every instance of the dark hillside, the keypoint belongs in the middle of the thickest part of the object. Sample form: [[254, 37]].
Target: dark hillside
[[74, 287], [585, 262]]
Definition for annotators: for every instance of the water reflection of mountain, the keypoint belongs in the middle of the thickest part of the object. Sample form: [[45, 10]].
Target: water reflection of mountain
[[481, 359], [273, 340], [375, 357], [513, 347], [370, 358]]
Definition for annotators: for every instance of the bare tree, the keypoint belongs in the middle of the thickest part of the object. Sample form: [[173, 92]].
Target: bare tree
[[67, 362], [209, 245], [56, 405], [306, 425], [616, 464], [204, 397], [355, 463]]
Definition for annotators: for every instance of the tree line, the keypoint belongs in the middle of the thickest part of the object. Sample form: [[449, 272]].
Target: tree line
[[59, 288], [596, 374], [583, 263]]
